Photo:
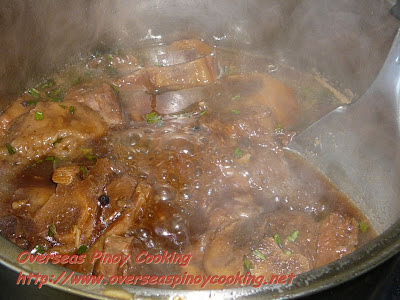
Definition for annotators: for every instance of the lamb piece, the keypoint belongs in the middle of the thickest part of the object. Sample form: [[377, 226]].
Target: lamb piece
[[274, 261], [120, 192], [176, 57], [200, 47], [13, 111], [199, 72], [225, 254], [338, 236], [101, 98], [73, 208], [26, 201], [250, 123], [134, 93], [139, 80], [255, 93], [116, 245], [135, 103], [177, 101], [50, 129], [114, 237]]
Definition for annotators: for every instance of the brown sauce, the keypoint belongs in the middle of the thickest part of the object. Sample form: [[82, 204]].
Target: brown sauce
[[185, 143]]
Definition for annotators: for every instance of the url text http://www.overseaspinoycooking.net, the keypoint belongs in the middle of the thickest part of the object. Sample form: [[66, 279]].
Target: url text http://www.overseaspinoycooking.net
[[172, 280], [169, 280]]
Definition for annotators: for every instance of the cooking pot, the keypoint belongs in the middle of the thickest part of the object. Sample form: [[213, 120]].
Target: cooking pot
[[346, 41]]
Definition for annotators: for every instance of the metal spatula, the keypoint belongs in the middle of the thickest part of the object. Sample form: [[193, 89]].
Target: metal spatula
[[358, 146]]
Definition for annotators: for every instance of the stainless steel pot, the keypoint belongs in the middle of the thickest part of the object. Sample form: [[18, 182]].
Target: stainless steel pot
[[345, 40]]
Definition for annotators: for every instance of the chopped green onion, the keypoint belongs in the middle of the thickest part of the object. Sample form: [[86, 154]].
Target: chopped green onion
[[228, 70], [10, 149], [50, 158], [38, 115], [287, 252], [153, 118], [259, 254], [203, 113], [72, 110], [34, 92], [279, 129], [293, 236], [86, 150], [157, 64], [236, 112], [31, 102], [52, 230], [116, 89], [39, 161], [247, 263], [83, 169], [278, 240], [238, 153], [109, 57], [38, 249], [90, 156], [57, 141], [363, 226], [237, 97], [47, 84], [82, 249], [76, 81], [62, 106]]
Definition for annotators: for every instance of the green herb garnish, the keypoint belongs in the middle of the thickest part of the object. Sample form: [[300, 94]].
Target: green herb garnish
[[247, 263], [238, 153], [109, 57], [83, 169], [203, 113], [287, 252], [72, 110], [293, 236], [158, 64], [82, 249], [153, 118], [57, 141], [363, 226], [236, 112], [47, 84], [90, 156], [228, 70], [50, 158], [76, 81], [62, 106], [10, 149], [52, 230], [39, 249], [39, 161], [31, 103], [116, 89], [259, 254], [38, 115], [279, 129], [34, 92], [237, 97], [278, 240]]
